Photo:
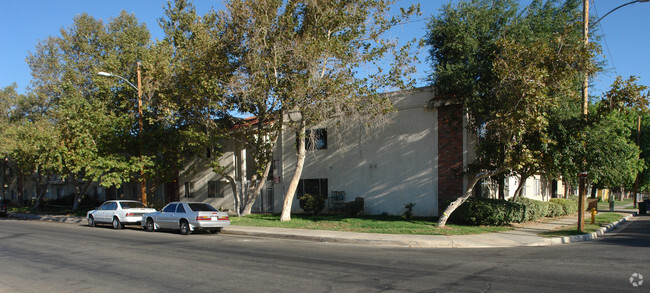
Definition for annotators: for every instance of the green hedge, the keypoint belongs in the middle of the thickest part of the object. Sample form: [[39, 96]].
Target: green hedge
[[554, 209], [568, 205], [535, 209], [485, 211]]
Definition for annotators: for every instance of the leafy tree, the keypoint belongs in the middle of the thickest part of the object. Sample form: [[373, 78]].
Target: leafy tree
[[93, 118], [194, 93], [508, 69], [300, 57], [271, 58], [329, 40]]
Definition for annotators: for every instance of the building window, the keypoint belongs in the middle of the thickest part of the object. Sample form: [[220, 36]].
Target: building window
[[216, 189], [189, 189], [313, 187], [315, 139]]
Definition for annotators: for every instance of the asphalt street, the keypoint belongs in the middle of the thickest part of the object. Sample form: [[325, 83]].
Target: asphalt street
[[40, 256]]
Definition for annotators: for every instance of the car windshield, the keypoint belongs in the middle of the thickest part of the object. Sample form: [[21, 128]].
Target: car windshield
[[132, 205], [202, 207]]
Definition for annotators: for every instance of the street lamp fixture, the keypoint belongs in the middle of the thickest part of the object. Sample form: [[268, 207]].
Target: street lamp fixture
[[628, 3], [102, 73], [143, 182]]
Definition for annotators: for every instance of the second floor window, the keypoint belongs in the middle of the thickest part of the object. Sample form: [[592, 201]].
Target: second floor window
[[315, 139]]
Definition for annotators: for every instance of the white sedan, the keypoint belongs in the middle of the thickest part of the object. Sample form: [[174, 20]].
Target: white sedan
[[118, 213], [186, 217]]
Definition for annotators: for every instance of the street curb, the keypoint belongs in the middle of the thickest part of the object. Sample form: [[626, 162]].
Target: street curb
[[592, 235], [49, 218], [325, 239]]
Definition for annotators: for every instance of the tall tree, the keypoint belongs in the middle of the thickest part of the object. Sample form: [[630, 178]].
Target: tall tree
[[284, 57], [508, 69], [93, 117], [301, 57]]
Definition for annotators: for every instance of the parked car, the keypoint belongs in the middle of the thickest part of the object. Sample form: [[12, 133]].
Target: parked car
[[118, 213], [186, 217]]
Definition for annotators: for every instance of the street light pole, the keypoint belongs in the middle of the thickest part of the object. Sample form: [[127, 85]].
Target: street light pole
[[585, 102], [143, 181]]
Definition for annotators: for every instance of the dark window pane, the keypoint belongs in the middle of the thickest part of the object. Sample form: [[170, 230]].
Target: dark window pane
[[132, 205], [170, 208]]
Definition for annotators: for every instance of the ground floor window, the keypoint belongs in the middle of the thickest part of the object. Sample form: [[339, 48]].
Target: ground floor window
[[216, 189], [189, 189], [313, 187]]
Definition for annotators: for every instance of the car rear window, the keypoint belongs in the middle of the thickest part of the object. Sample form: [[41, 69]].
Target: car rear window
[[132, 205], [202, 207]]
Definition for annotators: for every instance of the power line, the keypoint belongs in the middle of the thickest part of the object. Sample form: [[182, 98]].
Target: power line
[[602, 33]]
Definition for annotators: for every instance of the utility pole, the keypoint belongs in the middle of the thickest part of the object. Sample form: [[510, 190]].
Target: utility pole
[[585, 104], [143, 181], [638, 143]]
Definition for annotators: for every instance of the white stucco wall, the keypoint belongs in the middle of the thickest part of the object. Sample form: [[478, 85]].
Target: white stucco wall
[[200, 174], [536, 187], [389, 167]]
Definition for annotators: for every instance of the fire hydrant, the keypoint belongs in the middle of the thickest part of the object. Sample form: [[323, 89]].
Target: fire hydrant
[[593, 215]]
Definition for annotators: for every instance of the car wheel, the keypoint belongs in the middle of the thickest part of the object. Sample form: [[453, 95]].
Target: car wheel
[[116, 223], [149, 226], [185, 228], [91, 221]]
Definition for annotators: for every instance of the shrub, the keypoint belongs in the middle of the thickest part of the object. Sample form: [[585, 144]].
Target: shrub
[[485, 211], [312, 203], [535, 209], [354, 208], [554, 209], [408, 213], [569, 206]]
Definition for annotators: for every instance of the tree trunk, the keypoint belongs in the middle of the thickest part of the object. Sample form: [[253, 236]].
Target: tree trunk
[[502, 188], [233, 186], [79, 194], [42, 188], [520, 187], [293, 185], [566, 189], [594, 190], [442, 220], [258, 189], [21, 198], [39, 196]]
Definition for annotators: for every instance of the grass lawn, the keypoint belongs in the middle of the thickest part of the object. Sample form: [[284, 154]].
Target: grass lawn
[[602, 219], [364, 224], [604, 205]]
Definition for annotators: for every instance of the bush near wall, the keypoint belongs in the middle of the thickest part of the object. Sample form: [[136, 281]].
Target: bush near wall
[[535, 209], [554, 209], [485, 211], [569, 206]]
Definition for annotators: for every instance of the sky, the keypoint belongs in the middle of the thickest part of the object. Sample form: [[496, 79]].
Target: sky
[[626, 32]]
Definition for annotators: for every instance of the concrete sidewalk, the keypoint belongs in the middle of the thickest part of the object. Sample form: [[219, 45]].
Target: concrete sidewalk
[[521, 236], [526, 235]]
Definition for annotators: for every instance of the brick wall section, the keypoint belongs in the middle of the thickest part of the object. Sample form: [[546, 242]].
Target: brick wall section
[[450, 153]]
